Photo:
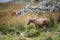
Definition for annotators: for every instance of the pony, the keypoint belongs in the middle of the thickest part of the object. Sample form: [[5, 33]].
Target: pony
[[40, 22], [14, 12]]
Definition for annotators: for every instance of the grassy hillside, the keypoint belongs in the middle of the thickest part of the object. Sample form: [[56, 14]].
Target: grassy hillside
[[11, 27]]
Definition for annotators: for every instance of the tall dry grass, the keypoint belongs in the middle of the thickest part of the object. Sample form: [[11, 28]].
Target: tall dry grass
[[6, 19]]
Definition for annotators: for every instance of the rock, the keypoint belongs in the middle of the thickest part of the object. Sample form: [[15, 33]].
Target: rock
[[42, 6]]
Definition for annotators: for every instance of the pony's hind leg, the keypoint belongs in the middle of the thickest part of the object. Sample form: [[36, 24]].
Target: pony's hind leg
[[47, 28]]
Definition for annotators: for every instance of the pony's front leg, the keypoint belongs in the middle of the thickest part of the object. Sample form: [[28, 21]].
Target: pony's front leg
[[36, 26], [47, 28]]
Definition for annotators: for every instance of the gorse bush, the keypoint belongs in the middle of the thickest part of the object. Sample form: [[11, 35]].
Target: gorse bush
[[32, 33]]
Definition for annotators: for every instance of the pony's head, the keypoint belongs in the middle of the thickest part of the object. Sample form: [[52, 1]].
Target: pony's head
[[31, 20]]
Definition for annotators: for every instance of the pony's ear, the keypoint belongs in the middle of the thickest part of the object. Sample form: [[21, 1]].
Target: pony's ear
[[33, 18]]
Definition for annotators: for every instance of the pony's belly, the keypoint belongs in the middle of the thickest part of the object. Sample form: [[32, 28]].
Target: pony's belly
[[39, 23]]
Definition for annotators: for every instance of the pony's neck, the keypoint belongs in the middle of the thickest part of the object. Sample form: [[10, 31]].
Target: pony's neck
[[34, 22]]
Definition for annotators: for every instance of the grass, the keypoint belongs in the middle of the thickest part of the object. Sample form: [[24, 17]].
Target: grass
[[31, 33], [12, 26]]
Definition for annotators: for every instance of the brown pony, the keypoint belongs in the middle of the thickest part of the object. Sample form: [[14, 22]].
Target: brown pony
[[39, 22], [58, 20], [14, 12]]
